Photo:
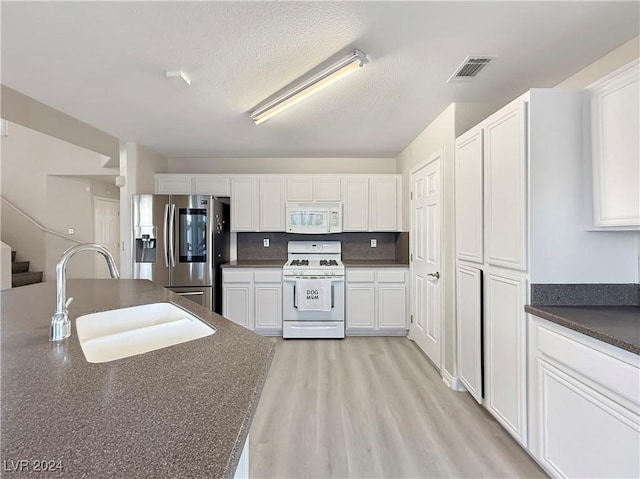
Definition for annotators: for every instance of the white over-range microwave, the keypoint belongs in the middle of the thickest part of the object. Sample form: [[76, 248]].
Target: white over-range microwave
[[314, 218]]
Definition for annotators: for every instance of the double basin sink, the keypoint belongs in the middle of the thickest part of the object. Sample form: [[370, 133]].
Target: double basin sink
[[125, 332]]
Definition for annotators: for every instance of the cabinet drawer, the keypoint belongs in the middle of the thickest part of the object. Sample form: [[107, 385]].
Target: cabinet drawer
[[619, 377], [360, 276], [392, 276], [268, 276], [236, 276]]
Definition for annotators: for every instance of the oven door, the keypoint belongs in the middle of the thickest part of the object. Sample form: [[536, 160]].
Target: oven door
[[290, 309]]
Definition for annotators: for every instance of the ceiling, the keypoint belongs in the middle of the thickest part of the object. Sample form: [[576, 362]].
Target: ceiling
[[104, 63]]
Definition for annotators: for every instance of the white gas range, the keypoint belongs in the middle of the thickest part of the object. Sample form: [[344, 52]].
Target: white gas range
[[313, 290]]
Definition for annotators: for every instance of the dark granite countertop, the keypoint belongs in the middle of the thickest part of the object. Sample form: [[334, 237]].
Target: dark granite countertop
[[616, 325], [256, 263], [181, 411], [374, 263]]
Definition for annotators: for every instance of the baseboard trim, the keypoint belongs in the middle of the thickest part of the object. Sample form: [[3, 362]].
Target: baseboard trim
[[376, 332], [451, 382], [269, 332]]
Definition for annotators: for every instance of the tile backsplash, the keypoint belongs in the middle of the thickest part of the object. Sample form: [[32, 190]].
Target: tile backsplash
[[355, 246]]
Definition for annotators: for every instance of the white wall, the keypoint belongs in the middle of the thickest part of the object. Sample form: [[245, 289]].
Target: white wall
[[30, 161], [282, 165], [5, 266], [561, 249]]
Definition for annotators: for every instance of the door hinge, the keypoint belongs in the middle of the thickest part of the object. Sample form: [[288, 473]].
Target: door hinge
[[410, 256], [411, 194], [411, 319]]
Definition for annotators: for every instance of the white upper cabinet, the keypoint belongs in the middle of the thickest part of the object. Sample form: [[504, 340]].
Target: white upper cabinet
[[383, 210], [355, 207], [615, 127], [273, 196], [244, 204], [300, 188], [170, 184], [215, 185], [327, 188], [505, 169], [371, 203], [313, 188], [469, 196]]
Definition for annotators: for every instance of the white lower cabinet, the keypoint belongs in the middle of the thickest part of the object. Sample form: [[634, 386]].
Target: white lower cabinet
[[376, 301], [469, 324], [584, 398], [253, 298], [505, 361]]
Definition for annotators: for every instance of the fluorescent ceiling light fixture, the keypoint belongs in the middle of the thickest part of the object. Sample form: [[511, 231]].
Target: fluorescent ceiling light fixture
[[306, 88]]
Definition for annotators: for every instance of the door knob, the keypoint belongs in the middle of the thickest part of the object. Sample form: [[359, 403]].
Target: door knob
[[435, 275]]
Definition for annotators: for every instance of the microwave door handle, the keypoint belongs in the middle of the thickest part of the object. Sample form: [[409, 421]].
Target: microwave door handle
[[332, 298]]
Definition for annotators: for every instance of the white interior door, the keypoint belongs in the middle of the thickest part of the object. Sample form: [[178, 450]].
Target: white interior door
[[106, 232], [425, 266]]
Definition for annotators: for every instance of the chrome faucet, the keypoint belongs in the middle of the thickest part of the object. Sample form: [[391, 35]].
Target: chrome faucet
[[60, 324]]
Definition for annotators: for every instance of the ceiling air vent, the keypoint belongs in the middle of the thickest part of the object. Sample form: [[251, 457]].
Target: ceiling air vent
[[470, 68]]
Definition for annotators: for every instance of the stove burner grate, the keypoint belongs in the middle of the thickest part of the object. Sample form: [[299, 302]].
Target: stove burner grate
[[328, 262], [300, 262]]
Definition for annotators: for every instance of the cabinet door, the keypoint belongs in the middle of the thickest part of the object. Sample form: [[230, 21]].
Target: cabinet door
[[244, 214], [506, 187], [392, 306], [327, 189], [583, 433], [355, 207], [469, 200], [615, 122], [268, 306], [211, 185], [300, 188], [273, 193], [505, 350], [469, 322], [173, 184], [237, 304], [383, 204], [361, 306]]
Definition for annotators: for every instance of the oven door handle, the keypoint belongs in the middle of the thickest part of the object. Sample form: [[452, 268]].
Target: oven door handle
[[295, 297]]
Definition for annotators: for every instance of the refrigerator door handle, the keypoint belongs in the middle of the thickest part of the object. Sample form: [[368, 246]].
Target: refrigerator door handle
[[172, 221], [165, 236]]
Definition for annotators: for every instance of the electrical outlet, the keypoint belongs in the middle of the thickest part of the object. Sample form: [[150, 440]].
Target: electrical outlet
[[71, 231], [374, 243], [265, 242]]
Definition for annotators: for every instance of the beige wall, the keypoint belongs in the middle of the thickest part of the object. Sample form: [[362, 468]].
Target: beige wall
[[30, 162], [613, 60], [148, 163], [28, 112], [282, 165]]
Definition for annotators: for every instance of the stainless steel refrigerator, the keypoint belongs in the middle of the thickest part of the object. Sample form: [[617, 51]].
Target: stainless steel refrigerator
[[180, 242]]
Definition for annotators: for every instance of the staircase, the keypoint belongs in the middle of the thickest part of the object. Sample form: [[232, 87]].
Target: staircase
[[20, 274]]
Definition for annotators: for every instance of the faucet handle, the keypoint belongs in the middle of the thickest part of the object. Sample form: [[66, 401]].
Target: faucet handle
[[66, 305]]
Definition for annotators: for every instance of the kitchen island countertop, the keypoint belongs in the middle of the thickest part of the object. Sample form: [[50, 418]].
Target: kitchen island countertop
[[616, 325], [181, 411]]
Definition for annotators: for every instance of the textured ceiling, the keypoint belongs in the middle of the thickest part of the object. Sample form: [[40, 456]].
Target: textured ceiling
[[104, 63]]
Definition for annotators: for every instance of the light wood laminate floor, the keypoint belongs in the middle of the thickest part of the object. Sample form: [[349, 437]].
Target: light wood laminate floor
[[373, 407]]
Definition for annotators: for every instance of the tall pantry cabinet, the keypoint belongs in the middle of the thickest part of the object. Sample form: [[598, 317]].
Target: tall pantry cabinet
[[493, 163]]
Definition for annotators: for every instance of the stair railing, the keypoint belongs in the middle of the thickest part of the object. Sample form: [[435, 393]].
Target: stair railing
[[34, 222]]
